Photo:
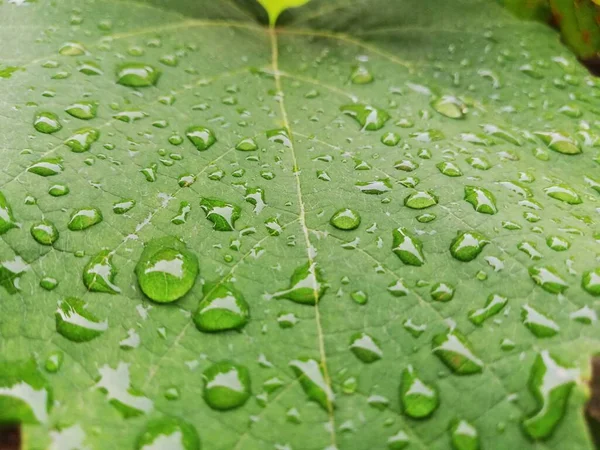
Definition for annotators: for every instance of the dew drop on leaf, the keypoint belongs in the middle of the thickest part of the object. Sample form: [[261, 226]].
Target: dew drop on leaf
[[201, 137], [418, 398], [222, 308], [365, 347], [311, 378], [46, 122], [455, 351], [99, 274], [84, 218], [76, 323], [168, 433], [226, 385], [44, 232], [134, 74], [345, 219], [222, 214]]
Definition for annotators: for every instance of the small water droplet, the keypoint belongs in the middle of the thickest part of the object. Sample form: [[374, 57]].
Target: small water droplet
[[168, 433], [82, 140]]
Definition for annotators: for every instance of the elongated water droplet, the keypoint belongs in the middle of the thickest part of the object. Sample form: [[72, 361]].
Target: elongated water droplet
[[449, 106], [7, 219], [449, 169], [47, 167], [202, 138], [467, 245], [280, 136], [121, 394], [226, 385], [134, 74], [365, 347], [548, 279], [559, 142], [563, 193], [168, 433], [376, 187], [496, 131], [46, 122], [369, 117], [306, 285], [222, 214], [246, 145], [166, 270], [539, 324], [456, 352], [99, 274], [311, 378], [58, 190], [84, 110], [550, 383], [76, 323], [557, 243], [408, 248], [482, 200], [44, 232], [84, 218], [345, 219], [72, 49], [222, 308], [82, 140], [493, 305], [419, 399], [124, 205], [421, 200]]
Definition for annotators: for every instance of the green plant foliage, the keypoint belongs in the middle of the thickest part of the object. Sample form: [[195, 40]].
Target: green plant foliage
[[373, 226]]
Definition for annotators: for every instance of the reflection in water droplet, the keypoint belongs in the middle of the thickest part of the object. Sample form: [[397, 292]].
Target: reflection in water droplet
[[82, 140], [7, 219], [369, 117], [591, 282], [442, 292], [83, 110], [550, 382], [483, 201], [311, 378], [25, 395], [419, 399], [421, 200], [493, 305], [539, 324], [548, 279], [463, 435], [226, 385]]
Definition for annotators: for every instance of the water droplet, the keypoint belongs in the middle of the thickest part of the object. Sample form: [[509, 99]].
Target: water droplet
[[558, 244], [550, 382], [99, 274], [44, 232], [47, 167], [7, 219], [563, 193], [369, 117], [361, 75], [121, 395], [311, 378], [124, 205], [133, 74], [539, 324], [306, 285], [84, 110], [496, 131], [359, 297], [82, 140], [376, 187], [222, 214], [181, 217], [58, 190], [345, 219], [48, 283], [591, 282], [449, 169], [202, 138], [25, 395], [222, 308], [419, 399], [54, 361], [559, 142], [548, 279], [84, 218], [76, 323], [246, 145], [483, 201], [456, 352], [414, 329], [90, 68], [478, 162], [408, 248], [467, 245], [365, 347], [442, 292], [226, 385], [449, 106], [46, 122], [72, 49], [256, 196], [166, 270], [390, 139], [168, 433], [463, 435], [493, 305], [421, 200], [398, 441], [10, 273]]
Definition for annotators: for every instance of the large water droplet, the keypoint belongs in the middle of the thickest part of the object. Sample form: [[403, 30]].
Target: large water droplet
[[548, 279], [134, 74], [421, 200], [550, 382], [306, 285], [44, 232], [449, 106], [46, 122], [222, 308], [166, 270], [25, 395], [84, 110], [311, 378], [222, 214], [463, 435], [99, 274], [47, 167], [365, 347], [591, 282], [442, 292], [84, 218], [408, 248], [345, 219], [482, 200], [559, 142], [201, 137], [493, 305], [168, 433], [76, 323], [456, 352], [539, 324], [419, 399], [369, 117], [467, 245], [82, 140], [563, 193], [226, 385]]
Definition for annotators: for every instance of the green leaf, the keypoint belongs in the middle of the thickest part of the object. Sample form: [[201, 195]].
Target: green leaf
[[375, 226]]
